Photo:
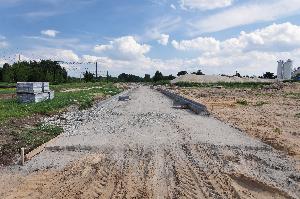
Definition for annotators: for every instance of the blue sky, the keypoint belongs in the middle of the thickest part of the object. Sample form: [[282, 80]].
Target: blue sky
[[142, 36]]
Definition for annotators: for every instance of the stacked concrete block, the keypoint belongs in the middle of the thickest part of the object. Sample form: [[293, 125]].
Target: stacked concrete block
[[34, 92]]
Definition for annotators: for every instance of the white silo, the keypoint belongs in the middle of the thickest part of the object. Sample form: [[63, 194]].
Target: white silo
[[287, 70], [280, 69]]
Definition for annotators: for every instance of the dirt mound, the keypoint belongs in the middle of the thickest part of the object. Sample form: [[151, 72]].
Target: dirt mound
[[215, 79]]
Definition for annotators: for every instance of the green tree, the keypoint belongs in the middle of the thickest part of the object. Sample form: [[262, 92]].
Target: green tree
[[158, 76], [170, 77], [199, 72], [45, 70], [1, 70], [182, 73], [7, 73], [269, 75], [147, 78], [88, 76]]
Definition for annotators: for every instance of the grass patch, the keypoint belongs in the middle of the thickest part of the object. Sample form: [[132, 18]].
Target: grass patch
[[292, 95], [77, 85], [277, 130], [7, 91], [230, 85], [162, 82], [10, 108], [35, 137], [242, 102], [260, 103], [6, 84], [28, 137]]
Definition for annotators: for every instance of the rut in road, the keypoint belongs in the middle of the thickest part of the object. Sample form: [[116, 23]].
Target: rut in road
[[145, 149]]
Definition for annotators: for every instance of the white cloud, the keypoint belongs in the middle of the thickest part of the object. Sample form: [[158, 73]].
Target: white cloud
[[250, 53], [164, 39], [126, 48], [49, 33], [3, 42], [161, 25], [246, 14], [56, 54], [173, 6], [204, 4], [207, 44], [276, 37]]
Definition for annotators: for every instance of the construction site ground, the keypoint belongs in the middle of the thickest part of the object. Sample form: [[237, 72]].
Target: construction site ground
[[271, 113], [144, 148]]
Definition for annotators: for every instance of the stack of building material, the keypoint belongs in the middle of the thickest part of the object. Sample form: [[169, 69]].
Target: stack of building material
[[34, 92]]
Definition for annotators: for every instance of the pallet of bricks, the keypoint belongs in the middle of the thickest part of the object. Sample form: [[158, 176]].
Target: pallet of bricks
[[34, 92]]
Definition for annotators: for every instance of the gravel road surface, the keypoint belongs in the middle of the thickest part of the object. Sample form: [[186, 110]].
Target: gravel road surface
[[144, 148]]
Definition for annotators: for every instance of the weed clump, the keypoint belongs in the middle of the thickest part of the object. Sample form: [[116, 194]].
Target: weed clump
[[260, 103], [242, 102]]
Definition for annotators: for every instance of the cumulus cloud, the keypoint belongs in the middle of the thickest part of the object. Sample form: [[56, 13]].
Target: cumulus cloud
[[49, 33], [164, 39], [126, 48], [246, 14], [204, 4], [250, 53], [276, 37], [207, 44]]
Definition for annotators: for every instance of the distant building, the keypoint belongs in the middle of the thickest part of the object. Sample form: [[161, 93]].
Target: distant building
[[280, 69], [296, 72], [284, 70]]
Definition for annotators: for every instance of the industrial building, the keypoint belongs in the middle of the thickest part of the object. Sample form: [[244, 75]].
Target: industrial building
[[285, 70]]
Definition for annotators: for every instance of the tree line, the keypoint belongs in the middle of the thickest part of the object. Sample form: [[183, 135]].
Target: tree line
[[124, 77], [33, 71]]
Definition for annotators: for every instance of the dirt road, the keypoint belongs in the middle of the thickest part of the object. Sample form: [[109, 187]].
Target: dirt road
[[144, 148]]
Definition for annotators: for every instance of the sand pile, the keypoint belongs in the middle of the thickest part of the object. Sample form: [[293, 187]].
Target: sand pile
[[215, 79]]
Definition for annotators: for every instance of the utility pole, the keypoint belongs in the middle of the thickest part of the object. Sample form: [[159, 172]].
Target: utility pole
[[96, 70]]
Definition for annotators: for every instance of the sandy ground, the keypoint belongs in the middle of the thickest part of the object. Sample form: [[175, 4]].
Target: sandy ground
[[271, 114], [143, 148], [215, 79]]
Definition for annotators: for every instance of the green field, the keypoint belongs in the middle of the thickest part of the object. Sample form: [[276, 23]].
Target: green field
[[10, 108]]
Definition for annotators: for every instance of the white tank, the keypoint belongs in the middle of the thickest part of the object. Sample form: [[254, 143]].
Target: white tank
[[287, 70], [280, 69]]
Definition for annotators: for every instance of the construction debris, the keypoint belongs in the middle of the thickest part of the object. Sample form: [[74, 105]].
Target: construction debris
[[124, 98]]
